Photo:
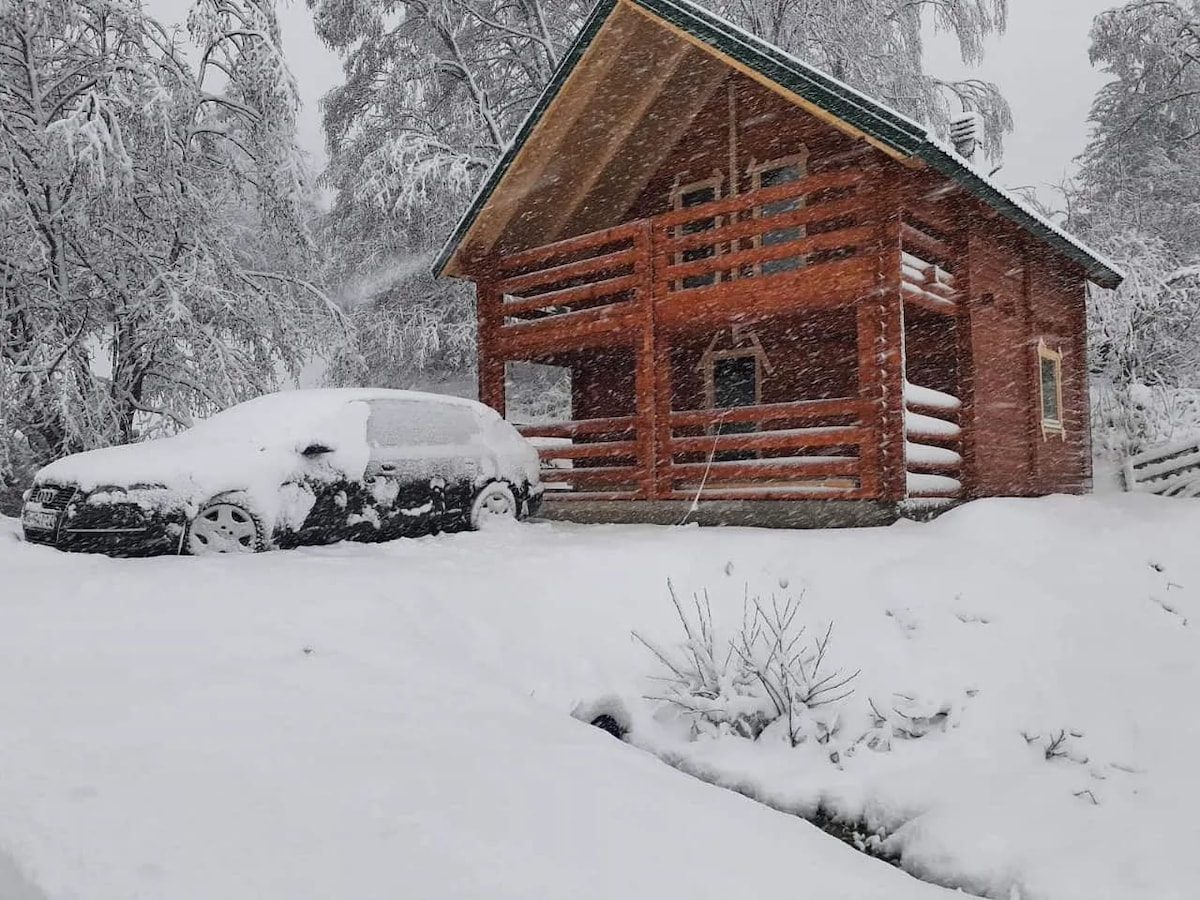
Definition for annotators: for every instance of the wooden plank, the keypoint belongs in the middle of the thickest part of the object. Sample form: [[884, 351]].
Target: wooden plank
[[890, 357], [918, 296], [598, 450], [826, 240], [667, 243], [644, 378], [797, 492], [747, 201], [813, 109], [788, 439], [662, 400], [490, 366], [795, 467], [572, 295], [797, 409], [605, 475], [588, 77], [869, 337], [603, 326], [611, 425], [534, 255], [819, 286], [631, 117], [590, 266], [590, 495], [915, 237]]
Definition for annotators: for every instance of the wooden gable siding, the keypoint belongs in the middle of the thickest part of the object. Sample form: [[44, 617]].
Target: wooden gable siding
[[768, 127]]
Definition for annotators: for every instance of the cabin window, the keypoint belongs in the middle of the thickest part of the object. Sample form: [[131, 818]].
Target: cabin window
[[733, 381], [1050, 389], [684, 197], [772, 174]]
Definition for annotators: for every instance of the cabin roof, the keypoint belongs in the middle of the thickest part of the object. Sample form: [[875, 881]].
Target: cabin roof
[[894, 133]]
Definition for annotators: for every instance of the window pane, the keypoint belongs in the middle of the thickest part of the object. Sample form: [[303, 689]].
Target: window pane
[[780, 175], [1050, 370], [406, 423], [688, 199], [698, 196]]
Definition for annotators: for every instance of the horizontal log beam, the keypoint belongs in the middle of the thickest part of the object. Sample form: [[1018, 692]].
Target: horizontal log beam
[[751, 227], [576, 244], [611, 425], [751, 470], [909, 234], [572, 295], [668, 271], [820, 286], [798, 409], [918, 296], [591, 495], [596, 450], [789, 439], [799, 188], [605, 475], [603, 326], [797, 492], [578, 269]]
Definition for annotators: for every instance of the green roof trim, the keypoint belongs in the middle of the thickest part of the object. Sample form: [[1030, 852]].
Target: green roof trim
[[874, 119]]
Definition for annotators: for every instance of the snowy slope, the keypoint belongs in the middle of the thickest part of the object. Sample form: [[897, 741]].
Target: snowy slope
[[164, 733]]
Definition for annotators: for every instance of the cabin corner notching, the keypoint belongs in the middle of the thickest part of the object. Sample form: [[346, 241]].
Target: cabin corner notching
[[767, 291]]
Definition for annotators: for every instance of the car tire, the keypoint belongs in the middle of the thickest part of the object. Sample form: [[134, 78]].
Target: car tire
[[223, 526], [494, 503]]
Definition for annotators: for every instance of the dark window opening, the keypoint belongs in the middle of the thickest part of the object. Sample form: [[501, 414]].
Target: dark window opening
[[687, 199], [735, 383], [772, 177]]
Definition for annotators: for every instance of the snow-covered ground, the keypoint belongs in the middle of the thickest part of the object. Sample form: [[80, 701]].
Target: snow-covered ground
[[394, 720]]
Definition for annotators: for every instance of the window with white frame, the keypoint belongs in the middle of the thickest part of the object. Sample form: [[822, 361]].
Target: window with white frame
[[1050, 389], [771, 174], [685, 196]]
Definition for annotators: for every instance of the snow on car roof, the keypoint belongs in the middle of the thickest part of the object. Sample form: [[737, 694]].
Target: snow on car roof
[[289, 411]]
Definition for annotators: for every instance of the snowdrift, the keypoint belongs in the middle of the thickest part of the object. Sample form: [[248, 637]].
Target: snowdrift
[[367, 720]]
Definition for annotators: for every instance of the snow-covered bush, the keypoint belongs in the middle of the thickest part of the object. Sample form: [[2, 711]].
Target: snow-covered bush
[[771, 677]]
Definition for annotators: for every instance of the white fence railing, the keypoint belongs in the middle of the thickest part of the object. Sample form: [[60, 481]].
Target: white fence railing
[[1172, 471]]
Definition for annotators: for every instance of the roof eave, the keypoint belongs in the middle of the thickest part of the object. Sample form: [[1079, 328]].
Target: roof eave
[[583, 40], [886, 127], [1098, 271]]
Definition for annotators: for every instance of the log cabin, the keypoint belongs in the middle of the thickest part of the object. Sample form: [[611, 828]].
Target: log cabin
[[776, 300]]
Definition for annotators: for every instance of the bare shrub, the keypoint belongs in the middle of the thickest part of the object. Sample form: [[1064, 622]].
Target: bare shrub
[[770, 671]]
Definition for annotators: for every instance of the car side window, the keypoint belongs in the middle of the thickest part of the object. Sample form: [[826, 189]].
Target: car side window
[[409, 423]]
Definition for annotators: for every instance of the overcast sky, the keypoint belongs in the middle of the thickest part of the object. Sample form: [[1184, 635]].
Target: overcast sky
[[1040, 64]]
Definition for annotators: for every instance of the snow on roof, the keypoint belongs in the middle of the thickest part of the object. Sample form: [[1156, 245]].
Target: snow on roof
[[870, 116]]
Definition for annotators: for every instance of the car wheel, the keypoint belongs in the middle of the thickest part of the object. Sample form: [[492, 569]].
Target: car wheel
[[495, 503], [223, 527]]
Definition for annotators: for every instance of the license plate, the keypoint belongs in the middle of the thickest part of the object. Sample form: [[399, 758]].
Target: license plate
[[44, 520]]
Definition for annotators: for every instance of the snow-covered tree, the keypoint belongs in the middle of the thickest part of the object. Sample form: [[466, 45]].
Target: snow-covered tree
[[152, 242], [435, 88], [877, 47], [1138, 198]]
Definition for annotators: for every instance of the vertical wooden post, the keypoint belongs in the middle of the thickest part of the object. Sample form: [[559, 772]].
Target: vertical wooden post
[[663, 457], [644, 373], [488, 319], [881, 346], [969, 473]]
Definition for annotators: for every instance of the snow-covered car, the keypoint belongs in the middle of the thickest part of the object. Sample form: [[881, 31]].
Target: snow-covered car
[[295, 467]]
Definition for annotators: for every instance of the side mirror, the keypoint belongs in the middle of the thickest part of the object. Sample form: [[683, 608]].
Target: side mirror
[[315, 449]]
